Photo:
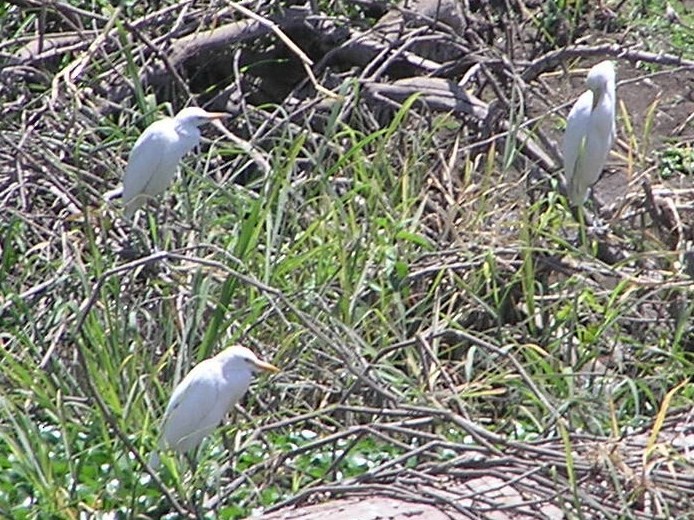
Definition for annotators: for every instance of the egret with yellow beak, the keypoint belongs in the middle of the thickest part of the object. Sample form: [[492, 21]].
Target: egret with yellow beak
[[154, 158], [590, 132], [202, 399]]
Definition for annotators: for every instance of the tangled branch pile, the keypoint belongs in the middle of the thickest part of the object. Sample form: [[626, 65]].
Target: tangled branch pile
[[387, 216]]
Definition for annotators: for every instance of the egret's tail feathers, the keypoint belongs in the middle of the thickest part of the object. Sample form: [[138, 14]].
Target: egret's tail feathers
[[113, 194], [132, 206]]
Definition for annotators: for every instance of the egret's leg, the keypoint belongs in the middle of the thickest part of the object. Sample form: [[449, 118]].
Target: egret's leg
[[588, 228], [577, 212], [192, 462], [136, 244], [198, 492], [159, 229], [153, 228], [169, 225], [582, 236]]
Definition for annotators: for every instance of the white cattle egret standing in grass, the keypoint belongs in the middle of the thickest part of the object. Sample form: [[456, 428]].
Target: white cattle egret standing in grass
[[154, 158], [590, 132], [204, 396]]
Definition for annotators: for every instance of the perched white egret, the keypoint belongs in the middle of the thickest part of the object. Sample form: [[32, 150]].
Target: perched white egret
[[590, 132], [154, 158], [205, 395]]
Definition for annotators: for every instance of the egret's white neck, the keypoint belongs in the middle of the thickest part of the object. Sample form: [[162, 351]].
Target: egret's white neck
[[600, 93]]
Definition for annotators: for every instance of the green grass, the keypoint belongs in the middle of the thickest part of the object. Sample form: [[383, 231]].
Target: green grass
[[398, 295]]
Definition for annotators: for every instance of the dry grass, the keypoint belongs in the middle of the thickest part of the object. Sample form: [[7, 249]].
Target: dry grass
[[413, 269]]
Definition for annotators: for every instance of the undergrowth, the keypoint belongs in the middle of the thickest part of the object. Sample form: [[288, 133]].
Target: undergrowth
[[400, 284]]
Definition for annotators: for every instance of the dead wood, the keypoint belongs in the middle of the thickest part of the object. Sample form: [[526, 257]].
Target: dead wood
[[491, 97]]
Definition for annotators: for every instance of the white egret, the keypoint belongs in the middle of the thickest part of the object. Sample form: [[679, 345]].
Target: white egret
[[154, 158], [590, 132], [205, 395]]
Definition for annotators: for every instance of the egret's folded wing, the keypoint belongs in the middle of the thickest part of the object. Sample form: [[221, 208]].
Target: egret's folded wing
[[186, 414], [144, 161], [575, 134]]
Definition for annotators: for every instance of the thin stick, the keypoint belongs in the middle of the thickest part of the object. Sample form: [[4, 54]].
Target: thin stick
[[305, 60]]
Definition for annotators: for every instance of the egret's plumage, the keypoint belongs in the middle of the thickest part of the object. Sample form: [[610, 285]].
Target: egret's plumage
[[590, 132], [202, 399], [154, 158]]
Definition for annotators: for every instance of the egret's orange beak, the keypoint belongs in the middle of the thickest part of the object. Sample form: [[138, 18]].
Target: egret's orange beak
[[213, 116], [266, 367]]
